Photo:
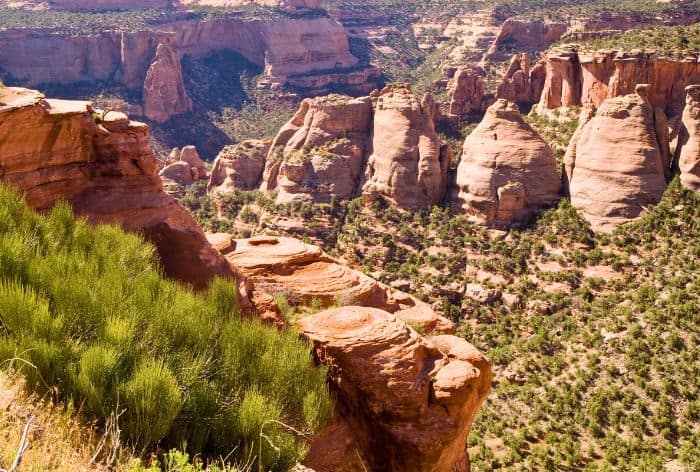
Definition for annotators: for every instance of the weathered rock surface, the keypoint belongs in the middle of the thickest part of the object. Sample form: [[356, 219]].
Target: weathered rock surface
[[406, 165], [184, 166], [614, 166], [408, 403], [507, 171], [320, 153], [55, 150], [164, 94], [466, 91], [535, 35], [304, 273], [689, 140], [575, 79], [239, 166], [522, 83], [104, 5]]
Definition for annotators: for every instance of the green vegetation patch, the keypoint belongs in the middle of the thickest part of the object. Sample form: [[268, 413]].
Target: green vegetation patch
[[86, 315]]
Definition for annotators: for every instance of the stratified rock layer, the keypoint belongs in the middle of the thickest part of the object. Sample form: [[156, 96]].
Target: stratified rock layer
[[614, 166], [305, 275], [406, 165], [507, 171], [320, 153], [239, 166], [689, 156], [408, 402], [55, 150]]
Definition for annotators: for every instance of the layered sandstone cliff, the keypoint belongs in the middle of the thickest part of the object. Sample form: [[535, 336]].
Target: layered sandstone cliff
[[403, 402], [575, 79], [689, 141], [103, 166], [614, 166], [321, 152], [407, 165], [507, 171]]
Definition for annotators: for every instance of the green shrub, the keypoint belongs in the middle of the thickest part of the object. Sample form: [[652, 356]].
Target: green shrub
[[86, 314]]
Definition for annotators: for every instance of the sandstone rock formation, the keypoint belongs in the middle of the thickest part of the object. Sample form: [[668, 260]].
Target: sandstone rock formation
[[466, 91], [304, 273], [408, 403], [104, 5], [406, 165], [321, 152], [689, 140], [164, 94], [575, 79], [55, 150], [614, 165], [533, 35], [522, 83], [184, 166], [507, 171], [239, 166]]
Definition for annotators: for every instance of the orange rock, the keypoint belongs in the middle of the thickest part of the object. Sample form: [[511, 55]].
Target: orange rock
[[408, 405], [466, 91], [614, 165], [164, 94], [239, 166], [405, 165], [689, 140], [507, 171], [56, 150]]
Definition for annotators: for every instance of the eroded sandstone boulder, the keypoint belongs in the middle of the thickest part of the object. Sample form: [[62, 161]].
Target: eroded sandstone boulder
[[304, 274], [164, 94], [184, 166], [614, 165], [407, 403], [320, 153], [689, 140], [521, 82], [102, 164], [507, 171], [405, 165], [239, 166]]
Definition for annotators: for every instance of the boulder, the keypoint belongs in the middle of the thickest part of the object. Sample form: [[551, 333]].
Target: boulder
[[408, 402], [239, 167], [506, 171], [614, 166], [689, 141], [164, 94], [320, 153], [184, 166], [304, 274], [405, 166]]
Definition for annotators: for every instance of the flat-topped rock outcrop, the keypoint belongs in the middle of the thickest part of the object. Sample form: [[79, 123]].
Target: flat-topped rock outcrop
[[303, 273], [239, 166]]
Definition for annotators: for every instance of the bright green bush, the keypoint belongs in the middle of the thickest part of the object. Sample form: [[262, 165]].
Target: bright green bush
[[85, 312]]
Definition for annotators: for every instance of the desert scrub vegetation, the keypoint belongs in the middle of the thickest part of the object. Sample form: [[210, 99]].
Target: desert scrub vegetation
[[673, 41], [86, 316]]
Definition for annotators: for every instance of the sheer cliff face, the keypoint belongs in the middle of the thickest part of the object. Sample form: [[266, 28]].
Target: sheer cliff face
[[55, 150], [689, 153], [575, 79]]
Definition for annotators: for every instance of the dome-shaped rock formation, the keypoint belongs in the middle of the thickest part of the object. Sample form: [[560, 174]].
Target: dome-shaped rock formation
[[320, 152], [407, 165], [239, 166], [184, 166], [507, 171], [408, 403], [614, 164], [689, 157]]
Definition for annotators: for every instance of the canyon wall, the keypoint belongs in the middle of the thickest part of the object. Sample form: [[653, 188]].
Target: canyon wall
[[574, 78]]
